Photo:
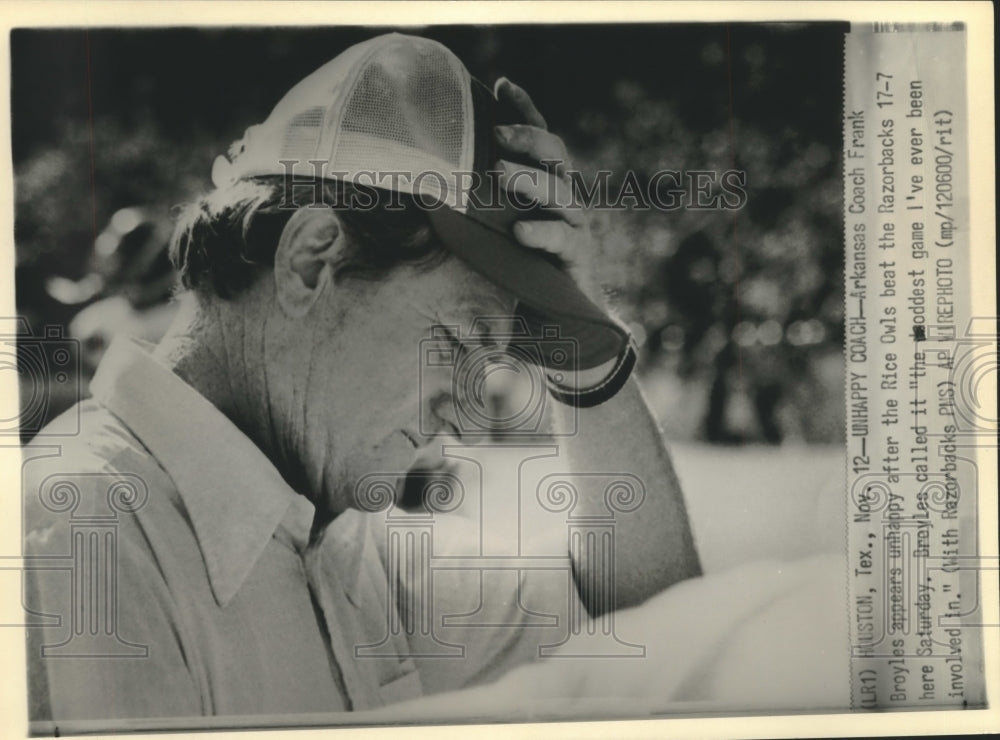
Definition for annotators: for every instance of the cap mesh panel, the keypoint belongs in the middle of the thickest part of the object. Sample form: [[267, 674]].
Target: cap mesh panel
[[302, 134], [416, 103]]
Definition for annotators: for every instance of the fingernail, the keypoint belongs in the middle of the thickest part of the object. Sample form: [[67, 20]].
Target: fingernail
[[504, 133]]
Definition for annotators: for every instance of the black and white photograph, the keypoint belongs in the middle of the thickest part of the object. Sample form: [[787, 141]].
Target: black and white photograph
[[416, 371]]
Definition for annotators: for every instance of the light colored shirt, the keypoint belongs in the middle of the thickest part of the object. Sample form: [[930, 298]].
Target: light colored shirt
[[171, 574]]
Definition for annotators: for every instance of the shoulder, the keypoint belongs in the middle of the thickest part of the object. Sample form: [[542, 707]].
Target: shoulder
[[85, 464]]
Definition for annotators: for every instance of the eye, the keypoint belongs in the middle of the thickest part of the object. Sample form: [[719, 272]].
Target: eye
[[449, 334], [484, 340]]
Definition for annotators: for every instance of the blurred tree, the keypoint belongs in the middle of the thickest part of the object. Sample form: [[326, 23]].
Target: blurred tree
[[746, 304]]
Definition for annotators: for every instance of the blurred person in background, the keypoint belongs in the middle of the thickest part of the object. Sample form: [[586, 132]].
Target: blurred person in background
[[132, 281]]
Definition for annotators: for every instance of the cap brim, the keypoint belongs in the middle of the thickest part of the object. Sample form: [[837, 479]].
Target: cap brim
[[548, 297]]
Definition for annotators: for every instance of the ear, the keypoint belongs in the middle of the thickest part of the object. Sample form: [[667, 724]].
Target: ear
[[304, 260]]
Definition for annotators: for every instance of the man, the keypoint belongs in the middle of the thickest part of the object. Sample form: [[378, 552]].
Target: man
[[204, 551]]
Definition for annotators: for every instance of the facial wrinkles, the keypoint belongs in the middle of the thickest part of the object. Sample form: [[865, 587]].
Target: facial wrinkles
[[317, 479], [324, 405], [249, 387], [278, 439], [291, 432], [465, 308]]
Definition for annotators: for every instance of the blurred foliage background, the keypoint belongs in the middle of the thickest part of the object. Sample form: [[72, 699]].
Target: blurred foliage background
[[738, 312]]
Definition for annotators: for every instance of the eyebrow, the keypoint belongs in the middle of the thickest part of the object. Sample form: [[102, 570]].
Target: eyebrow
[[477, 305], [487, 304]]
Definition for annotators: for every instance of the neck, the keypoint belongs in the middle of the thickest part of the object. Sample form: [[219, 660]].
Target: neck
[[199, 347], [215, 348], [193, 349]]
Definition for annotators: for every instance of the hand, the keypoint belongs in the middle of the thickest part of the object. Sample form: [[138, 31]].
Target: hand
[[569, 236]]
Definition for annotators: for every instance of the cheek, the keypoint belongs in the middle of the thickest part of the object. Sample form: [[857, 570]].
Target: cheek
[[365, 416], [383, 465], [372, 374], [384, 355]]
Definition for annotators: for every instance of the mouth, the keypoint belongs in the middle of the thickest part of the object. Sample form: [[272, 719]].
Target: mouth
[[422, 480], [450, 434], [412, 439]]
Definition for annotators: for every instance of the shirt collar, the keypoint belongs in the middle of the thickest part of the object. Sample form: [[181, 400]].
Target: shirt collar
[[236, 499]]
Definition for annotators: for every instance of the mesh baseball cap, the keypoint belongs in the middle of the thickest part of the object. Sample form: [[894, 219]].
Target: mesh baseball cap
[[405, 104]]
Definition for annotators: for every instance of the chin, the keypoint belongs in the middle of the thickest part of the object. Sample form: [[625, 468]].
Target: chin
[[372, 483]]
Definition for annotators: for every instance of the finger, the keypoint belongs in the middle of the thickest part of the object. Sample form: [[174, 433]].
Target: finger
[[515, 96], [536, 143], [532, 185], [555, 237]]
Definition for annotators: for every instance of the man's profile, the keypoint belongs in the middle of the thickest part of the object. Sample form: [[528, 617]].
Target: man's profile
[[342, 232]]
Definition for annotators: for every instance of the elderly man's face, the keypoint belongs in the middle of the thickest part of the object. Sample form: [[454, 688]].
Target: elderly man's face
[[367, 402]]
